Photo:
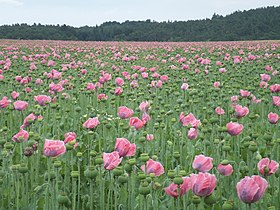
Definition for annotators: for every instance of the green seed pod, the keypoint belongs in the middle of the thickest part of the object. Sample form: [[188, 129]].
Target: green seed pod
[[144, 190], [2, 174], [141, 176], [253, 147], [258, 156], [227, 205], [246, 144], [50, 174], [142, 139], [267, 137], [93, 153], [176, 155], [178, 180], [213, 120], [144, 157], [23, 169], [226, 148], [30, 143], [79, 154], [69, 146], [169, 143], [173, 120], [62, 199], [196, 199], [149, 179], [216, 141], [132, 161], [8, 145], [75, 174], [122, 179], [128, 168], [157, 185], [210, 200], [225, 162], [117, 171], [98, 161], [2, 142], [78, 109], [57, 163], [90, 172], [171, 174], [244, 169], [182, 173], [271, 208], [15, 168], [154, 157]]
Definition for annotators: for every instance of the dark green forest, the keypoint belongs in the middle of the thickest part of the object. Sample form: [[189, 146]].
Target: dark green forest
[[254, 24]]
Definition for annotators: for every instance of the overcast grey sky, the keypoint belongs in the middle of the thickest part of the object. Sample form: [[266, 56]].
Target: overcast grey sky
[[92, 12]]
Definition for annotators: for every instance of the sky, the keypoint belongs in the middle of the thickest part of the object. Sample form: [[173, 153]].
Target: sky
[[94, 12]]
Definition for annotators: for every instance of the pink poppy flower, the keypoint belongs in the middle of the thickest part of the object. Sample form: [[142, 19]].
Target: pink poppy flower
[[102, 96], [144, 106], [136, 123], [4, 102], [234, 128], [164, 78], [28, 120], [203, 184], [21, 136], [267, 167], [184, 86], [125, 112], [118, 91], [150, 137], [153, 167], [15, 95], [54, 148], [91, 123], [189, 120], [119, 81], [202, 163], [216, 84], [265, 77], [251, 189], [273, 118], [276, 100], [111, 160], [241, 111], [145, 118], [90, 86], [42, 100], [245, 93], [125, 148], [263, 84], [219, 111], [20, 105], [225, 170], [275, 88], [193, 133], [222, 70], [172, 189]]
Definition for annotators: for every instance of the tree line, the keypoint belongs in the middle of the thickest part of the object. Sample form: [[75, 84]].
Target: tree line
[[255, 24]]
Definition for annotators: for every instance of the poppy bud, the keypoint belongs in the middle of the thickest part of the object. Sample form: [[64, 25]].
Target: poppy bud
[[196, 200], [178, 180], [75, 174]]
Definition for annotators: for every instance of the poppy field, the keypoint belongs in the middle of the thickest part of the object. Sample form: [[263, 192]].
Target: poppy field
[[131, 125]]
